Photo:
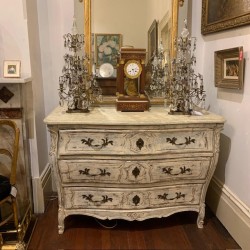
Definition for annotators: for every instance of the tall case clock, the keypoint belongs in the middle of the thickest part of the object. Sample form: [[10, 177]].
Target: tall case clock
[[131, 80]]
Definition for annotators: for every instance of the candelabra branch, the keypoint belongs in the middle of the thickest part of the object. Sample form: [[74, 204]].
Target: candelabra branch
[[76, 86], [158, 68], [184, 88], [176, 80]]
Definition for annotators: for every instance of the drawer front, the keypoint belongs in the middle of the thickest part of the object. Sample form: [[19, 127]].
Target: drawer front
[[127, 172], [128, 142], [131, 199]]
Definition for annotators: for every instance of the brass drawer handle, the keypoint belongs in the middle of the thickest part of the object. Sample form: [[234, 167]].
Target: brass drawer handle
[[183, 170], [103, 172], [89, 141], [165, 196], [173, 140], [89, 198]]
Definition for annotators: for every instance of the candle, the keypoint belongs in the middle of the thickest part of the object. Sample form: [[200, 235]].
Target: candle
[[93, 69]]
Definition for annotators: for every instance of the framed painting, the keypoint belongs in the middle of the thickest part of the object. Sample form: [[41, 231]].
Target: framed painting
[[164, 30], [222, 15], [152, 40], [229, 65], [12, 68], [107, 47]]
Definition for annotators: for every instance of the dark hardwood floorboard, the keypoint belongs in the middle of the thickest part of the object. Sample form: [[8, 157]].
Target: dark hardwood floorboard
[[175, 232]]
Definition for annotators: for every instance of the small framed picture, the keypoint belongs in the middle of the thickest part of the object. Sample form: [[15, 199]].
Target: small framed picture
[[107, 47], [152, 40], [229, 67], [12, 68]]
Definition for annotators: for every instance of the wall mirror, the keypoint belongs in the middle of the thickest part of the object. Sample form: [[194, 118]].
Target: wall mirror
[[133, 20]]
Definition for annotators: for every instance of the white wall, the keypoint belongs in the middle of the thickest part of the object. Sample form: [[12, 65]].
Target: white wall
[[55, 18], [233, 167], [39, 142], [228, 195], [19, 40]]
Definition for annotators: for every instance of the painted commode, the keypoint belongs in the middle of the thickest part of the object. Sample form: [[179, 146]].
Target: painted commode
[[132, 165]]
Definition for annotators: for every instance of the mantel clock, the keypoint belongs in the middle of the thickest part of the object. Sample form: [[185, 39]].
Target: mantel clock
[[131, 80]]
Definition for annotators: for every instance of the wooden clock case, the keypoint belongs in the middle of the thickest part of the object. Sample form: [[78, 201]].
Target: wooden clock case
[[126, 102]]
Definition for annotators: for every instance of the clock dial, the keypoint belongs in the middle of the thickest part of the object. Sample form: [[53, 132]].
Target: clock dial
[[132, 69], [106, 70]]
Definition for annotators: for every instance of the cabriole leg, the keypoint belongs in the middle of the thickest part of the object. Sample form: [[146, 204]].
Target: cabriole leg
[[201, 216], [61, 217]]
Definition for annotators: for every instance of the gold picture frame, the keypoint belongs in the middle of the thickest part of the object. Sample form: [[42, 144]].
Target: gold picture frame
[[229, 65], [12, 69], [222, 15], [152, 40], [107, 48]]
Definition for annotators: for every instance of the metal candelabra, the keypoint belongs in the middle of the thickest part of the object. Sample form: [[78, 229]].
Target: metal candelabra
[[159, 69], [76, 86], [184, 88]]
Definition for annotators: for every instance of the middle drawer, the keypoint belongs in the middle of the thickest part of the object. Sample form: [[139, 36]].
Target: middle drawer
[[126, 172]]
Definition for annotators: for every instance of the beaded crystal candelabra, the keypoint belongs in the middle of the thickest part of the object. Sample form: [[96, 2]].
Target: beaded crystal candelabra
[[184, 88], [159, 69], [76, 86]]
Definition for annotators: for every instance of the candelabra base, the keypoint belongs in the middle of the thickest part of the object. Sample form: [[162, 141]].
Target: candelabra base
[[78, 110], [132, 104], [171, 112]]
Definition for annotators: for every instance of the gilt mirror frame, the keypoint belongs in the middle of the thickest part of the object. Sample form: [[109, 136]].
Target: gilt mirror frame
[[88, 37]]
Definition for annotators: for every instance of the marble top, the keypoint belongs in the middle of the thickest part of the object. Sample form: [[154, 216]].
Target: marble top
[[108, 115]]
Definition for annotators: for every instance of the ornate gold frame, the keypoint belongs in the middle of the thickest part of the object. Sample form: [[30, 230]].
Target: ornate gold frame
[[232, 17], [87, 29]]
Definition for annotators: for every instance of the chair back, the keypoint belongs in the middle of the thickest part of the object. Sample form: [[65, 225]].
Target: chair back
[[13, 152]]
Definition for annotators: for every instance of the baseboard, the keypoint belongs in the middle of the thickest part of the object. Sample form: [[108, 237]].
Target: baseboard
[[231, 211], [42, 189]]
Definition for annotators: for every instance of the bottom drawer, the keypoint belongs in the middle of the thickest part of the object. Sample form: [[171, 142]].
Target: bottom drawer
[[82, 197]]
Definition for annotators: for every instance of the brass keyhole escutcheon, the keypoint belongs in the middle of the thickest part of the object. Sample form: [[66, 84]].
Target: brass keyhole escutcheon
[[136, 200], [140, 143], [136, 172]]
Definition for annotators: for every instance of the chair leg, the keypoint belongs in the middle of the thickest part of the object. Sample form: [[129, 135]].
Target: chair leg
[[1, 241], [15, 216]]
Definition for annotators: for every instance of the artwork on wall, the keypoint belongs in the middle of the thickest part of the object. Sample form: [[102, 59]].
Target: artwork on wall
[[222, 15], [164, 36], [229, 67], [152, 40], [12, 68], [107, 47]]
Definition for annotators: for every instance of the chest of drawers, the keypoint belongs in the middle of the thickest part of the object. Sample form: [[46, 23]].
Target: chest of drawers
[[132, 166]]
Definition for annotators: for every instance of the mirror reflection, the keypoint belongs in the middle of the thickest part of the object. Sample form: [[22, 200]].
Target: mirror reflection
[[135, 23]]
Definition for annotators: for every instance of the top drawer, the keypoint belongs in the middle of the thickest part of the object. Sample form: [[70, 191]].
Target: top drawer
[[129, 142]]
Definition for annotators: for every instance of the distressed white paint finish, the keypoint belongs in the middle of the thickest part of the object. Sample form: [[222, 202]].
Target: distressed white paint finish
[[133, 166], [126, 141], [132, 171]]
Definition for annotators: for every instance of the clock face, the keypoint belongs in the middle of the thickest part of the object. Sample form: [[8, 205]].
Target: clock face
[[132, 69], [106, 70]]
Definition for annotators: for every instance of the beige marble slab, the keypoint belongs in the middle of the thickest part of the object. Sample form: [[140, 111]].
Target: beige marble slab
[[108, 115]]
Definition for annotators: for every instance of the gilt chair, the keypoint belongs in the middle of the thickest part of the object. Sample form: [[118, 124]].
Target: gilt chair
[[9, 154]]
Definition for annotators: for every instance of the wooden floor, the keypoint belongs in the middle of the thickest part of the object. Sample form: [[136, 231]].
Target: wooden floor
[[178, 231]]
